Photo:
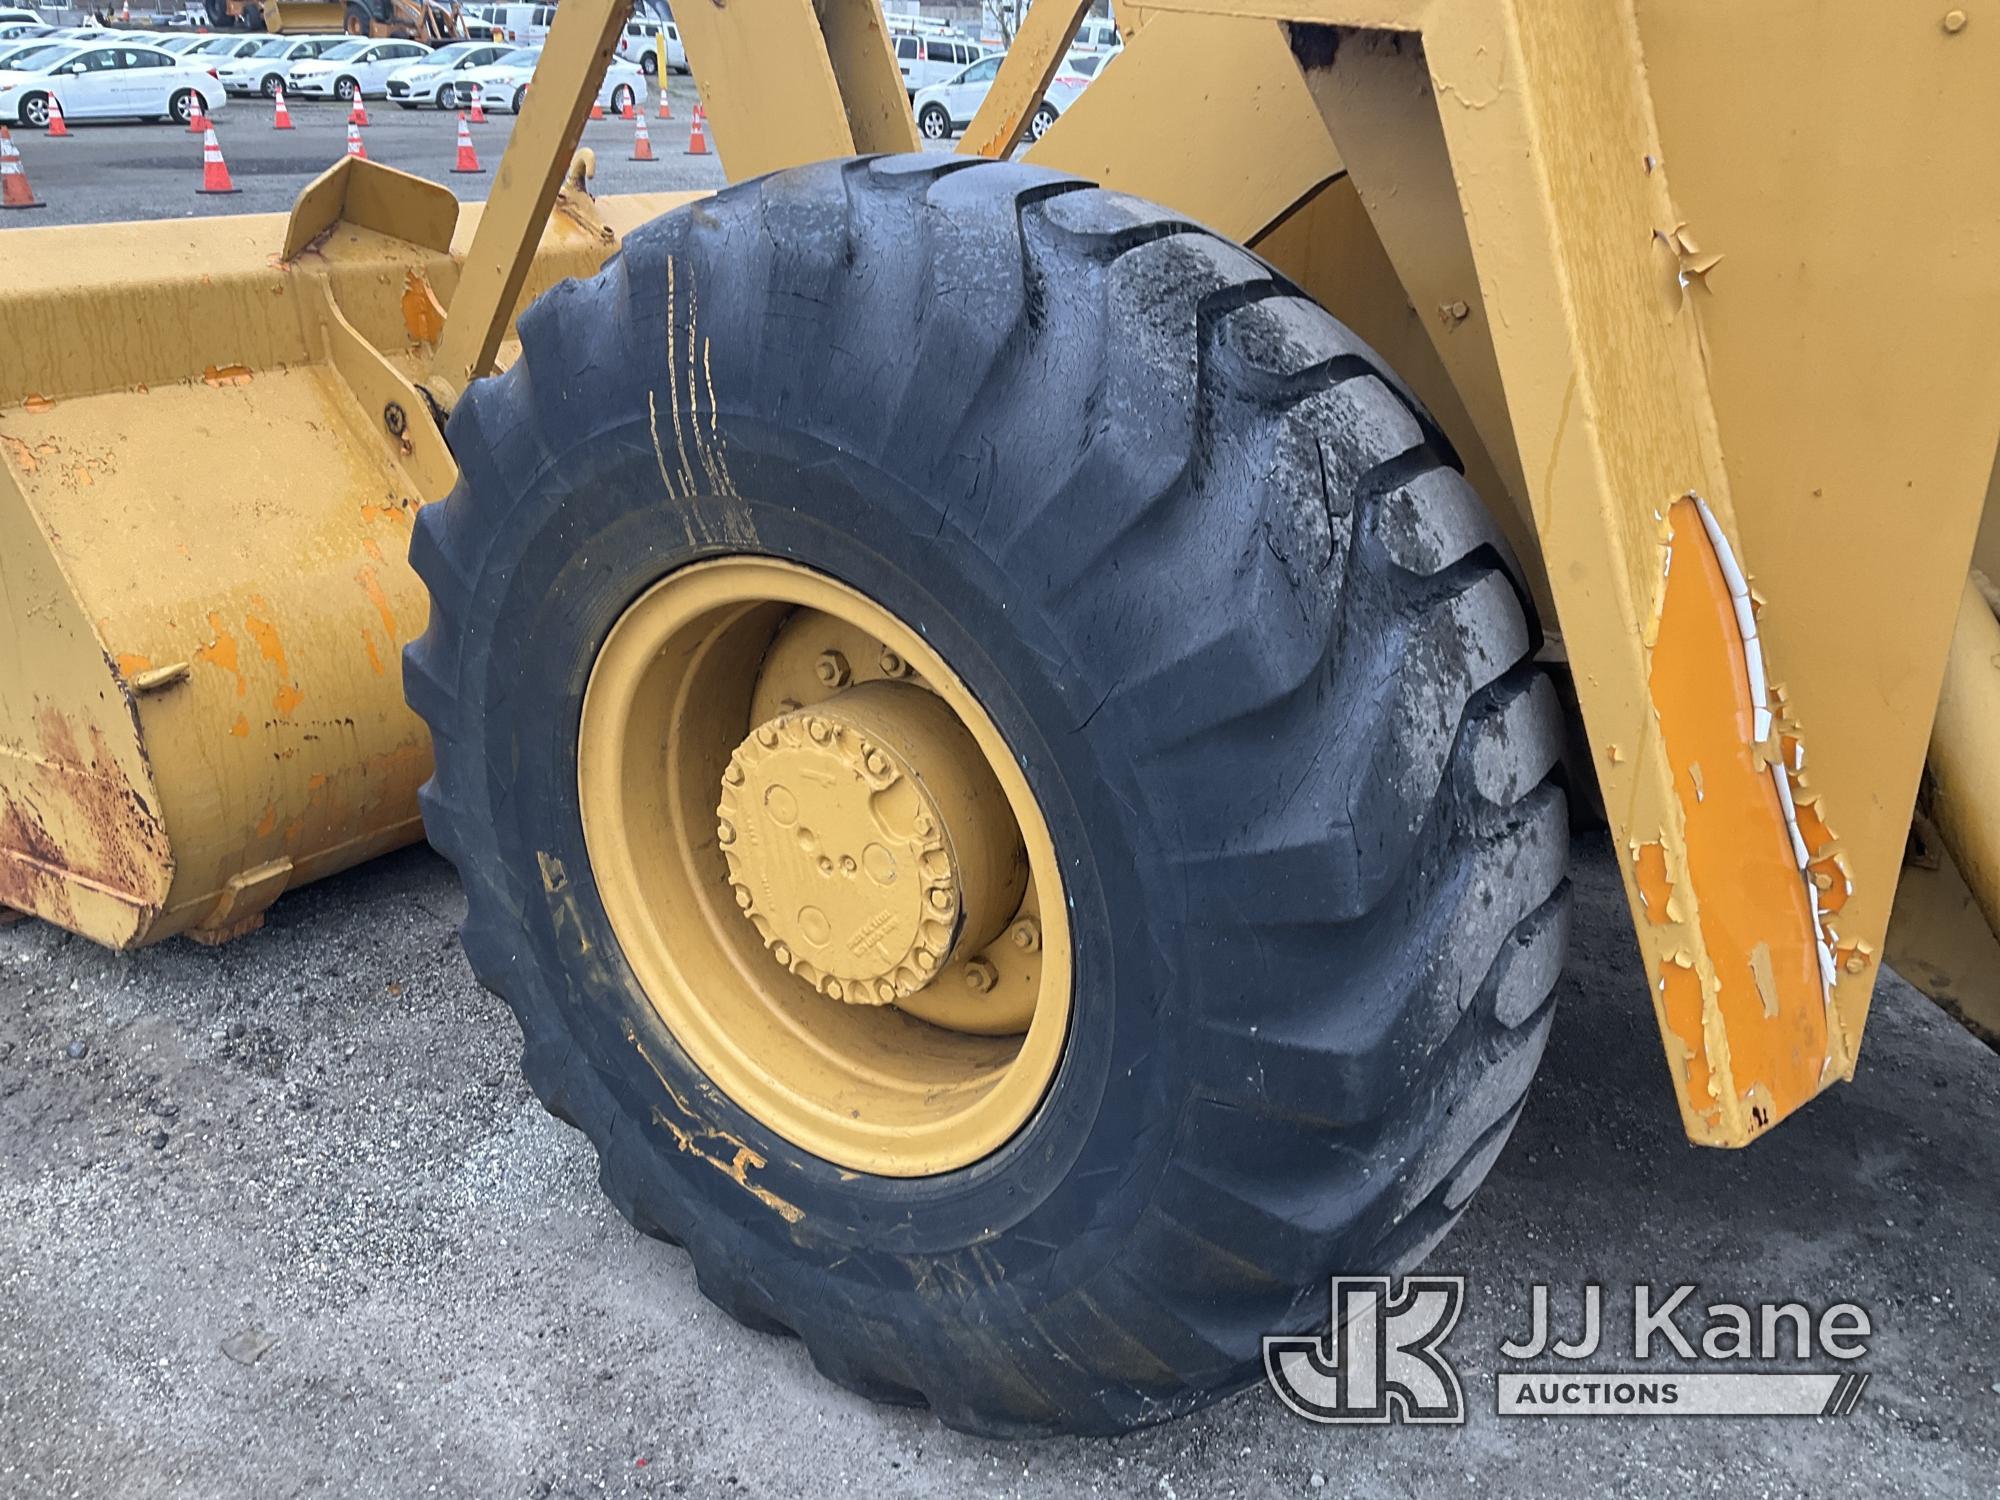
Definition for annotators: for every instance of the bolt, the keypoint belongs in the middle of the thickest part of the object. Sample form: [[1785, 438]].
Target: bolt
[[1823, 880], [724, 834], [743, 897], [940, 898], [1856, 964], [1455, 312], [1954, 22], [398, 423], [876, 762], [1027, 934], [834, 990], [981, 976], [926, 960], [847, 864], [893, 665], [767, 736], [733, 772], [782, 954], [831, 670], [820, 730]]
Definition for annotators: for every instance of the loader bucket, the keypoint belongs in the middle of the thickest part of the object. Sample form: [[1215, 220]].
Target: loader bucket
[[305, 17], [210, 455]]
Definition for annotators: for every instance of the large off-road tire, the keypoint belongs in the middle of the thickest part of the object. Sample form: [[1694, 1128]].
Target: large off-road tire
[[1256, 646]]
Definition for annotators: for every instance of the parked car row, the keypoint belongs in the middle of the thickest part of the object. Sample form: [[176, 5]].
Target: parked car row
[[944, 109], [104, 80]]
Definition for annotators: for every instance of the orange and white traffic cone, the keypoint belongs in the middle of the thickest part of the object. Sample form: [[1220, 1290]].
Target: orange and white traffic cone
[[479, 104], [58, 126], [125, 12], [697, 137], [596, 110], [198, 116], [642, 141], [630, 109], [14, 189], [354, 147], [214, 170], [666, 106], [281, 117], [468, 159], [359, 114]]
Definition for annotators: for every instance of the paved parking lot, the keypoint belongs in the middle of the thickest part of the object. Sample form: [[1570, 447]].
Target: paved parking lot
[[281, 1219], [103, 172]]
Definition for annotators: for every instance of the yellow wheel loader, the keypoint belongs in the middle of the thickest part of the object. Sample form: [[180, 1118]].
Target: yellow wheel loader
[[1002, 715]]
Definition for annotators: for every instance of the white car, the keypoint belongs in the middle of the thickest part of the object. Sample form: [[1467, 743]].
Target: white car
[[434, 79], [1098, 34], [262, 71], [946, 108], [504, 84], [214, 51], [359, 65], [95, 81], [638, 44]]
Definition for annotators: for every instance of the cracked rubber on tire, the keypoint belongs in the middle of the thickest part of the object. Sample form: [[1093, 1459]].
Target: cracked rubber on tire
[[1213, 574]]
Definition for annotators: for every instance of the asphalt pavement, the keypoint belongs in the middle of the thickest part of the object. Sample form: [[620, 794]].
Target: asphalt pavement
[[111, 171], [280, 1219]]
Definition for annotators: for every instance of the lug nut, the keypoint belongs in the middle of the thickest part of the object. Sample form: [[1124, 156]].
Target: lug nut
[[831, 670], [981, 976], [743, 896], [876, 762], [834, 990], [724, 834], [782, 954], [1027, 935]]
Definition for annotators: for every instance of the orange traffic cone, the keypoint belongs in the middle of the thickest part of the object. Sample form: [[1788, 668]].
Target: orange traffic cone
[[354, 146], [479, 104], [468, 159], [630, 109], [281, 117], [359, 114], [14, 189], [198, 116], [642, 141], [697, 137], [666, 107], [214, 170], [125, 12], [58, 126], [596, 110]]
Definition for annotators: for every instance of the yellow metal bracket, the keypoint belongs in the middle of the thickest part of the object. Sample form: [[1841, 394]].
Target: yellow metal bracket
[[1039, 49]]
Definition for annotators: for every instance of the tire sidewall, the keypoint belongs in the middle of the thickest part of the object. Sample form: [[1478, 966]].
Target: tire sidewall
[[1109, 1091]]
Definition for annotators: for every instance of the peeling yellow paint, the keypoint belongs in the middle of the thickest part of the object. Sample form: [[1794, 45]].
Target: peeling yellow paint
[[554, 877], [742, 1158]]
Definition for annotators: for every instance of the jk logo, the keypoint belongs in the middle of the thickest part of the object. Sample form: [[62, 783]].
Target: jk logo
[[1379, 1360]]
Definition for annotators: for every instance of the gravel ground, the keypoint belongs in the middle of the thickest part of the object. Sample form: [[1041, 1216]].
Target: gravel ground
[[281, 1219]]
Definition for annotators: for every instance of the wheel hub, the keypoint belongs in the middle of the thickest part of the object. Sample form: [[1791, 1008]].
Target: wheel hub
[[866, 838]]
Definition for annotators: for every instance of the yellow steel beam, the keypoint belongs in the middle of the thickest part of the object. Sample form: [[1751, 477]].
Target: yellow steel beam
[[1965, 751], [531, 172], [1038, 50], [1204, 114], [806, 82]]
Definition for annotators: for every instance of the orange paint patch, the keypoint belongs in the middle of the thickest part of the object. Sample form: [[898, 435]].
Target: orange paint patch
[[1655, 891], [1739, 852], [268, 823], [38, 405], [368, 644], [288, 697], [372, 587], [221, 375], [130, 664], [422, 315], [221, 652], [23, 456], [241, 728], [1680, 998]]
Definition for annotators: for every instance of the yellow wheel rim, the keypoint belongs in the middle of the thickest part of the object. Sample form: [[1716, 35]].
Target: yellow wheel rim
[[825, 867]]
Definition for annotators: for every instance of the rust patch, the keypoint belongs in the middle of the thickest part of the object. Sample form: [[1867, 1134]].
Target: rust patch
[[74, 824], [222, 375], [38, 405], [23, 456]]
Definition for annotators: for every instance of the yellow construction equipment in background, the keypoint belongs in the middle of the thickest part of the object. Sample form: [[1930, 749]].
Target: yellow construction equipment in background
[[1704, 295]]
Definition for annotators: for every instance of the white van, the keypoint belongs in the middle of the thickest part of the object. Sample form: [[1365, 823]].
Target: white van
[[1098, 34], [523, 25], [925, 60]]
